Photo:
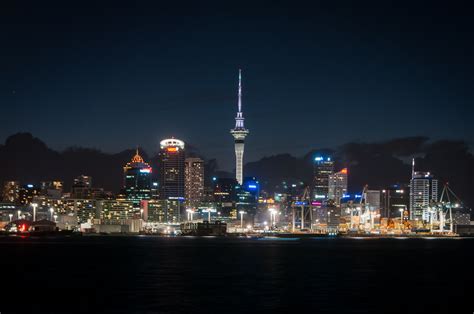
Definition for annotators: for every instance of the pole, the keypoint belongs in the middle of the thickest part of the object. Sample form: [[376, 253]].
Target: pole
[[34, 205], [293, 218], [302, 216], [241, 220]]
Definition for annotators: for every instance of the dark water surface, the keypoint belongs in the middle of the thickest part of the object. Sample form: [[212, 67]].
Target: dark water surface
[[220, 275]]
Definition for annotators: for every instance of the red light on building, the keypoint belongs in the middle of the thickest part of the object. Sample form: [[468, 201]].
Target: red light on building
[[344, 171], [172, 149]]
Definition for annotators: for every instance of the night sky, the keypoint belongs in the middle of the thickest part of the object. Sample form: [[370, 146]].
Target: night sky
[[316, 74]]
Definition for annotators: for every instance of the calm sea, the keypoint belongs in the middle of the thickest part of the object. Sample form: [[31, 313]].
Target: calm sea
[[220, 275]]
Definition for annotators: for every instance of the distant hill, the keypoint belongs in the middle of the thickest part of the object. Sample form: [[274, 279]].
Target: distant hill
[[379, 164], [29, 160]]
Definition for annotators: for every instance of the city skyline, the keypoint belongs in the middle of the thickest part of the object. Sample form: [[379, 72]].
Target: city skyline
[[236, 157]]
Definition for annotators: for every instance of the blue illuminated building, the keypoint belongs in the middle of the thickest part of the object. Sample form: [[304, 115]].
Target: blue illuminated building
[[137, 179]]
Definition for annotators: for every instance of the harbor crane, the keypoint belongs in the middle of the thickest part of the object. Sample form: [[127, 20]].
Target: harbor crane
[[305, 211]]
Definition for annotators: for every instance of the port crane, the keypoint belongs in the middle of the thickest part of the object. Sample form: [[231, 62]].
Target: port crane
[[304, 205], [441, 212]]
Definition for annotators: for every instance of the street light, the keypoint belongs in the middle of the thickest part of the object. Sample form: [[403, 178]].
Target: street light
[[190, 214], [241, 219], [10, 216], [141, 213], [19, 213], [51, 210], [55, 218], [34, 205], [272, 215], [401, 217]]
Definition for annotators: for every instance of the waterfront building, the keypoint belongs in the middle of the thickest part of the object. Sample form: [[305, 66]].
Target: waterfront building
[[137, 179], [224, 195], [194, 181], [247, 198], [117, 210], [239, 132], [423, 192], [323, 168], [393, 199], [373, 200], [337, 186], [161, 211]]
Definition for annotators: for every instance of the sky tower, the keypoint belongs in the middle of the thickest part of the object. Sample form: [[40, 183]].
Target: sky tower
[[239, 133]]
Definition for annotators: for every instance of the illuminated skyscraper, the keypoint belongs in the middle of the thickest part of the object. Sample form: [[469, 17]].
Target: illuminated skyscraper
[[137, 179], [423, 191], [337, 186], [323, 168], [171, 167], [194, 181], [239, 133]]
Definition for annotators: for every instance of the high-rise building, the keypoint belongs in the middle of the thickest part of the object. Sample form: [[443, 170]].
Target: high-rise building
[[423, 192], [373, 200], [394, 199], [27, 193], [171, 161], [224, 190], [194, 181], [82, 187], [137, 179], [323, 168], [239, 133], [337, 186], [11, 192]]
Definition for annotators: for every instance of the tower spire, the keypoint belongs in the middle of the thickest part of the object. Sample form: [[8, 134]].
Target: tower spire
[[240, 91], [239, 119], [412, 167]]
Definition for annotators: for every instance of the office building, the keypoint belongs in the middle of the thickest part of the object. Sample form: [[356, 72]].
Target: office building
[[137, 179], [373, 199], [337, 186], [394, 199], [171, 167], [423, 192], [323, 168], [194, 181], [82, 187], [224, 195], [27, 193]]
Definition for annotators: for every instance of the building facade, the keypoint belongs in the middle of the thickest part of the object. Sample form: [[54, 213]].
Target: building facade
[[194, 181], [423, 192], [137, 179], [171, 161], [323, 168], [337, 186], [394, 199]]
